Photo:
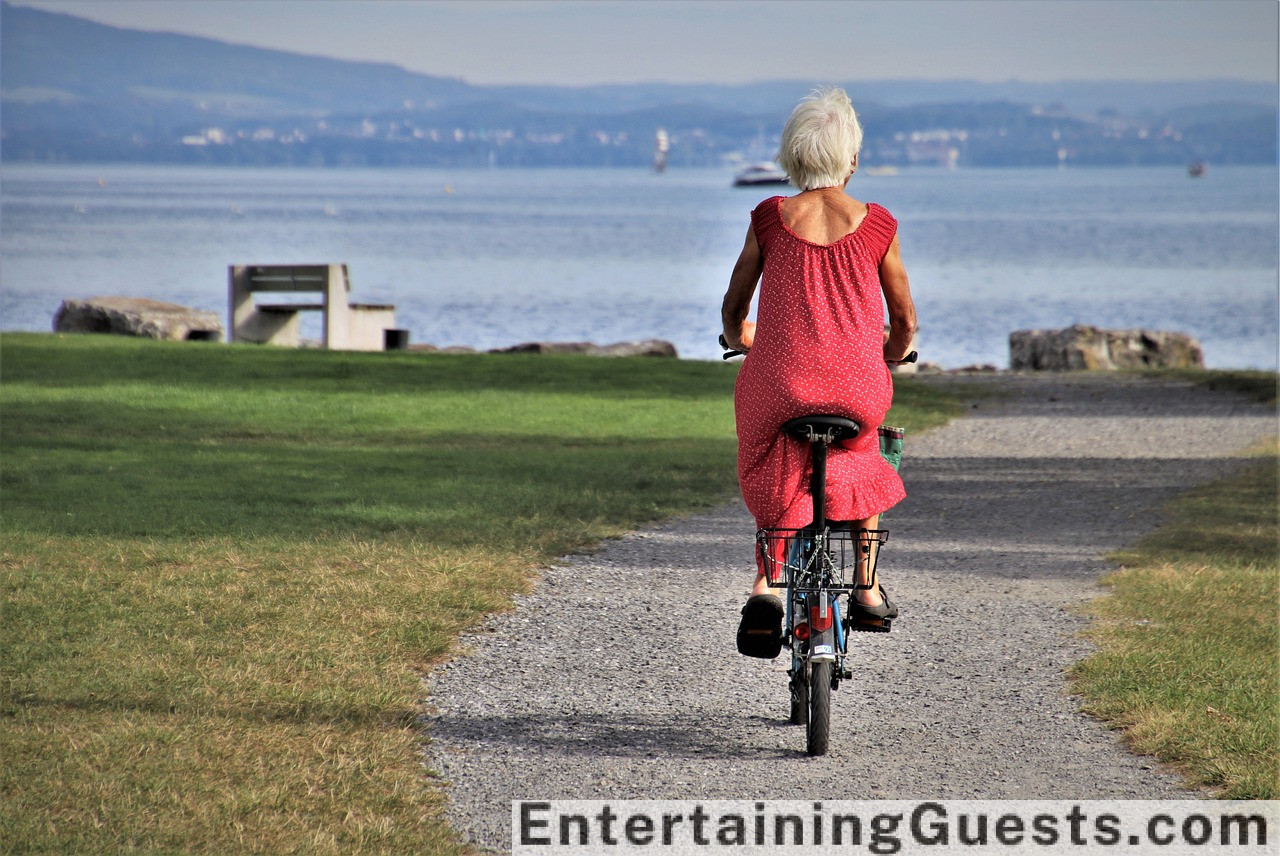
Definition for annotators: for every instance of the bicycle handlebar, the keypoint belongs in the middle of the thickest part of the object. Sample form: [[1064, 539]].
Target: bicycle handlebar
[[730, 353]]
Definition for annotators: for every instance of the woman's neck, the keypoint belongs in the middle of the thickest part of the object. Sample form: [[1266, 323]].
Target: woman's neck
[[833, 189]]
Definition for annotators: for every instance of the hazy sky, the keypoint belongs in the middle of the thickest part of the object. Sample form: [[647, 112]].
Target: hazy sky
[[578, 42]]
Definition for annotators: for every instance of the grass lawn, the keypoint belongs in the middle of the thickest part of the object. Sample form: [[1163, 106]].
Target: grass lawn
[[224, 569], [1189, 638]]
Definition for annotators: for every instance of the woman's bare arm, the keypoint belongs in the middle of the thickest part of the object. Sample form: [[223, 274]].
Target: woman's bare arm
[[738, 331], [902, 309]]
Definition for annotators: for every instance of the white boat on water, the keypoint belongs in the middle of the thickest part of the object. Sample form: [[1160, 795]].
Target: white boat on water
[[758, 174]]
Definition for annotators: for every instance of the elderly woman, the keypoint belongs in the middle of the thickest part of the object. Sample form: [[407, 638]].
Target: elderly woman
[[827, 266]]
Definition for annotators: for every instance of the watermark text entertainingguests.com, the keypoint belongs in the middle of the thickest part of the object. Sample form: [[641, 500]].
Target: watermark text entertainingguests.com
[[972, 827]]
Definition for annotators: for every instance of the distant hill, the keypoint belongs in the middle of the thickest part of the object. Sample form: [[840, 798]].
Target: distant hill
[[75, 90], [776, 98], [54, 56]]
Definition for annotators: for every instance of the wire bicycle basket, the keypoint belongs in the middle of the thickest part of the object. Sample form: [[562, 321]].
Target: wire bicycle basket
[[808, 560]]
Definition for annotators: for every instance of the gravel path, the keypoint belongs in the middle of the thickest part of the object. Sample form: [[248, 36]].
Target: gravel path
[[617, 677]]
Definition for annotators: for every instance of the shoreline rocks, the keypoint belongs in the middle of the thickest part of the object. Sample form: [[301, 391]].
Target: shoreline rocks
[[1081, 347], [1076, 348], [641, 348], [138, 316]]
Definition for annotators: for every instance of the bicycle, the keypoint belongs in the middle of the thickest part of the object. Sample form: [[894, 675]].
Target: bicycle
[[818, 564]]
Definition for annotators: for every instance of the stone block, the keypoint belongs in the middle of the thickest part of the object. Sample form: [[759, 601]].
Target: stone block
[[137, 316], [1084, 348], [643, 348]]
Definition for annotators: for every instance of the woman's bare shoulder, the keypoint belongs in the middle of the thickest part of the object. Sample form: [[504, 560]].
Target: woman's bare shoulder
[[806, 202], [823, 218]]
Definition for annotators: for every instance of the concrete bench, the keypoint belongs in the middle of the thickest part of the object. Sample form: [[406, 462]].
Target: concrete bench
[[346, 326]]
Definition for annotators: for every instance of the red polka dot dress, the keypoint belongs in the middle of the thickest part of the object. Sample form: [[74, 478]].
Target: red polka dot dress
[[819, 348]]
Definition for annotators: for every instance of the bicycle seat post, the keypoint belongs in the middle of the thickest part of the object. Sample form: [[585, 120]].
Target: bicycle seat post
[[818, 481]]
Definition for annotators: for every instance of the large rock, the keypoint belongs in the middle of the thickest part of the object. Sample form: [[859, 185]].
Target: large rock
[[549, 348], [644, 348], [137, 316], [1093, 349]]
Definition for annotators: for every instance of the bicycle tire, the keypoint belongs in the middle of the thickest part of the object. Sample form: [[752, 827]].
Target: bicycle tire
[[818, 724]]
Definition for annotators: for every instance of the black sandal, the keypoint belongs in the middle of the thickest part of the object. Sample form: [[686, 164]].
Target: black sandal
[[881, 613], [877, 618], [888, 609], [760, 632]]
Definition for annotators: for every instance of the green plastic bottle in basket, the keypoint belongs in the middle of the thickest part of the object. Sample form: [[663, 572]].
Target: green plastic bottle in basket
[[891, 445]]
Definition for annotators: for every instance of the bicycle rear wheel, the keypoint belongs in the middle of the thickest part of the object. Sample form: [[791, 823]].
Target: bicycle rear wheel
[[818, 724]]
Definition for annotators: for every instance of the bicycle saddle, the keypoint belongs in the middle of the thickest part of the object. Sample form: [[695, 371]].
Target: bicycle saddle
[[831, 428]]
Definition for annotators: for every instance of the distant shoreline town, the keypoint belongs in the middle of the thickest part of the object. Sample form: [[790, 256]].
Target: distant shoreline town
[[990, 134]]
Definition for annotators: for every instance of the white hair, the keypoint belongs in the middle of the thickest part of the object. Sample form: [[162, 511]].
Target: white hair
[[820, 140]]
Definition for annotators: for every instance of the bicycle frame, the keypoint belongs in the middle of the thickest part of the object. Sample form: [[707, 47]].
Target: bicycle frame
[[813, 562]]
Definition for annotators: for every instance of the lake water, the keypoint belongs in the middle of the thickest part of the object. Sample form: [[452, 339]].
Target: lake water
[[496, 257]]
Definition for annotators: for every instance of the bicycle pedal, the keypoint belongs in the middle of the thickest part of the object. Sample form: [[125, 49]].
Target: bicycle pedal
[[878, 625]]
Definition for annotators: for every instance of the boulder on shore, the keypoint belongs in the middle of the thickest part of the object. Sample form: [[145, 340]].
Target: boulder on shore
[[137, 316], [1093, 349], [644, 348], [549, 348]]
